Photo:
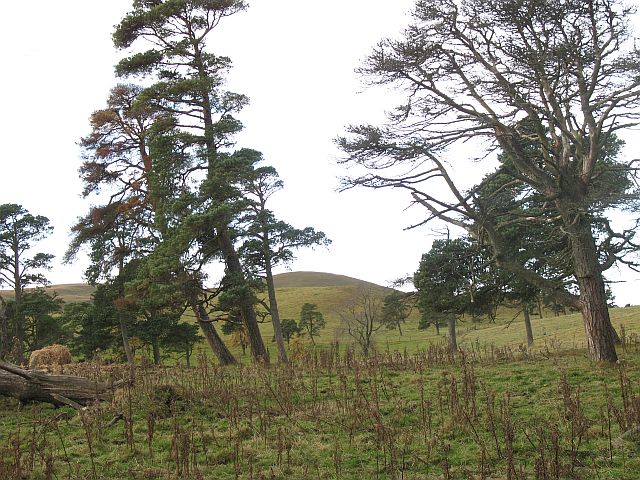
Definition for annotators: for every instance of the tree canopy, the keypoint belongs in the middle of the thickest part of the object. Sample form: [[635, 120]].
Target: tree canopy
[[546, 83], [20, 267]]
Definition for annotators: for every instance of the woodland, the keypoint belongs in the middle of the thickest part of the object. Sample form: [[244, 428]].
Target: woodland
[[502, 356]]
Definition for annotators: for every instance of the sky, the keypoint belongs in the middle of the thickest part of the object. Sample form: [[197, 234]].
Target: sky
[[295, 60]]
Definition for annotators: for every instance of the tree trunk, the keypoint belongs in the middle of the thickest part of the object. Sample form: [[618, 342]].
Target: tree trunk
[[18, 334], [527, 324], [400, 328], [225, 357], [601, 337], [17, 291], [453, 341], [313, 342], [157, 358], [600, 333], [540, 307], [365, 348], [235, 271], [4, 330], [36, 386], [234, 268], [127, 346], [275, 314], [125, 340]]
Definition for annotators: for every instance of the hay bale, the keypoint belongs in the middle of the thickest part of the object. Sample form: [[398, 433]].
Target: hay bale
[[51, 355]]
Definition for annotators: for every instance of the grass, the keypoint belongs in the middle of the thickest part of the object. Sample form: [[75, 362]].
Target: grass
[[566, 331], [483, 414], [332, 293], [412, 411], [70, 292]]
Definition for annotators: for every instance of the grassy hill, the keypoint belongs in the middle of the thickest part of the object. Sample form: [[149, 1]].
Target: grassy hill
[[81, 292], [318, 279], [69, 292], [334, 293], [566, 331]]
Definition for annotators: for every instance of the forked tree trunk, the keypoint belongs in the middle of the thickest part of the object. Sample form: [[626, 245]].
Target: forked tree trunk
[[601, 336], [527, 324], [453, 341], [225, 357], [245, 302]]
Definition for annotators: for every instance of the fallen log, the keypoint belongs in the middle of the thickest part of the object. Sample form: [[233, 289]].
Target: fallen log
[[38, 386]]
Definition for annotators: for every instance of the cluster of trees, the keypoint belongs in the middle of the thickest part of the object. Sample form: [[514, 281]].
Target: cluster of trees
[[26, 320], [31, 317], [457, 277], [172, 193], [309, 324], [547, 85], [172, 197], [541, 87]]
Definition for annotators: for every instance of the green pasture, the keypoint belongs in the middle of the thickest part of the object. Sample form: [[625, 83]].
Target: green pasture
[[490, 413], [555, 417]]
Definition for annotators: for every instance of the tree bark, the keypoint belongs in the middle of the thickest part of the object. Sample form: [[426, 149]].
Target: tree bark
[[4, 330], [127, 346], [601, 335], [36, 386], [527, 324], [275, 314], [540, 307], [225, 357], [157, 358], [234, 269], [453, 341]]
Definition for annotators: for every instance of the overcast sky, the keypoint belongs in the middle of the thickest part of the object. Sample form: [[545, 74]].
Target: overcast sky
[[294, 59]]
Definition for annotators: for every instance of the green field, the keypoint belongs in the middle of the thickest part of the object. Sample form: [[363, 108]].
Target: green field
[[483, 414], [495, 410]]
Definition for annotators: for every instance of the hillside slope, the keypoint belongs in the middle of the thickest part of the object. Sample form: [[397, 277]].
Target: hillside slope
[[318, 279], [81, 292], [334, 293], [69, 292]]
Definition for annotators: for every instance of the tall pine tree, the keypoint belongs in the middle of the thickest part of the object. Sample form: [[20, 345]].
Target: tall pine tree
[[188, 85]]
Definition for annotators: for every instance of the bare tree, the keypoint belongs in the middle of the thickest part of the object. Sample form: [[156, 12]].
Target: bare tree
[[363, 317], [548, 83]]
